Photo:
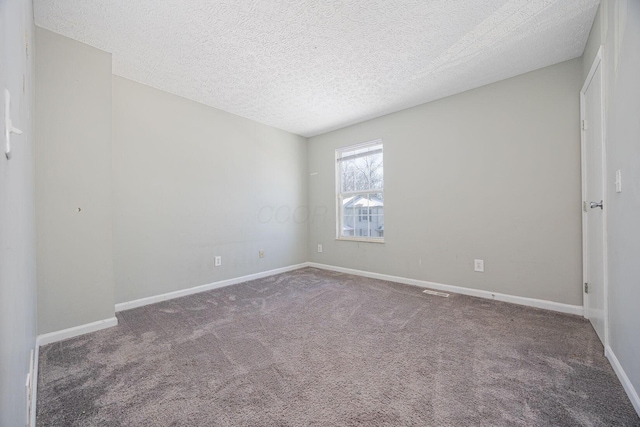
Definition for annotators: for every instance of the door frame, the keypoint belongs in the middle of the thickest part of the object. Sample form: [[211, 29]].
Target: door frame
[[598, 61]]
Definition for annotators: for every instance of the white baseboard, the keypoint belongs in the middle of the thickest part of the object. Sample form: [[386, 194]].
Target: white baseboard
[[202, 288], [531, 302], [34, 396], [56, 336], [624, 379]]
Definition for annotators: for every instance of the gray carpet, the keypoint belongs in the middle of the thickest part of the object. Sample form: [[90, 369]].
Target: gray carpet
[[317, 348]]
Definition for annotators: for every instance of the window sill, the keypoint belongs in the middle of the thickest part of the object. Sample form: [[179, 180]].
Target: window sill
[[359, 240]]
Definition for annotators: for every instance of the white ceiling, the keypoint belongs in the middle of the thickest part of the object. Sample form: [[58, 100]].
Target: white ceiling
[[310, 66]]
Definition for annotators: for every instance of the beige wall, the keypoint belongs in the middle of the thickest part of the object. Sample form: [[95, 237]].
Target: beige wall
[[192, 182], [17, 223], [492, 173], [617, 27], [73, 170]]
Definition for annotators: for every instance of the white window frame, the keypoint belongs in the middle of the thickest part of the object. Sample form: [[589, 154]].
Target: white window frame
[[341, 195]]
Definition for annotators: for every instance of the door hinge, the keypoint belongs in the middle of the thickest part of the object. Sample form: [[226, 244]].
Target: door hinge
[[586, 288], [584, 125]]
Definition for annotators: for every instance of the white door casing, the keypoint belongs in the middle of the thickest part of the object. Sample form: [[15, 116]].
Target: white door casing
[[594, 233]]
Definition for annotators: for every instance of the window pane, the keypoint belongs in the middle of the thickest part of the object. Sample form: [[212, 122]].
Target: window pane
[[363, 216], [375, 171], [361, 176], [376, 221], [361, 173], [367, 173], [348, 217], [347, 176]]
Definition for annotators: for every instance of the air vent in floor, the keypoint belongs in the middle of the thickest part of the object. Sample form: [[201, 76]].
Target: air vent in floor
[[436, 293]]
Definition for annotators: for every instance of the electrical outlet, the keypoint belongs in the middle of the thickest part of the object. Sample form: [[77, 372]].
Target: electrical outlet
[[261, 253], [478, 265], [319, 248], [217, 261]]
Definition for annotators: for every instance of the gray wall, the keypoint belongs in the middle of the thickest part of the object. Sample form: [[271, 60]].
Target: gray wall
[[492, 173], [73, 170], [192, 182], [17, 223], [618, 28], [595, 40]]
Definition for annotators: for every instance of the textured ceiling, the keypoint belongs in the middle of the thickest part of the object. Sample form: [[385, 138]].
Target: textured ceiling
[[310, 66]]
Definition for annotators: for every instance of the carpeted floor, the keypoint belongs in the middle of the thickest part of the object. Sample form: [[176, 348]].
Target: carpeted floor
[[318, 348]]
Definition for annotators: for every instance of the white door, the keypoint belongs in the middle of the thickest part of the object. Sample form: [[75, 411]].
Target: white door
[[594, 208]]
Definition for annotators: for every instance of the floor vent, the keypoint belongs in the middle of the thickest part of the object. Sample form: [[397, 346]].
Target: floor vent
[[436, 293]]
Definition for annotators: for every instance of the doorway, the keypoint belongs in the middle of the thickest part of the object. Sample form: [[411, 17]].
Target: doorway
[[594, 232]]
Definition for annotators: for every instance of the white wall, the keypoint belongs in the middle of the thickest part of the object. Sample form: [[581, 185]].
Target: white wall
[[192, 182], [73, 170], [492, 173], [17, 223], [617, 26]]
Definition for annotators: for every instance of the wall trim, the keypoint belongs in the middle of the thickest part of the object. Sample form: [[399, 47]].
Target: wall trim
[[64, 334], [624, 379], [530, 302], [34, 386], [203, 288]]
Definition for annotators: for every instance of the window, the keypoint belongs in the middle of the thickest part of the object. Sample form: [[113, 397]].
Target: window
[[364, 214], [360, 188]]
